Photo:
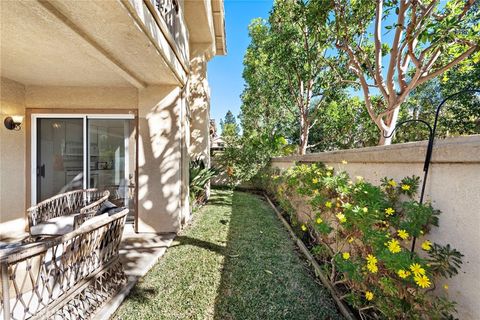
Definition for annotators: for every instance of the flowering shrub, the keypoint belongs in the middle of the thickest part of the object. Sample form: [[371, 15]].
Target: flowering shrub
[[362, 233]]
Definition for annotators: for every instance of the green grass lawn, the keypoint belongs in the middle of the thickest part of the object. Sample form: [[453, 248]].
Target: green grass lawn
[[234, 262]]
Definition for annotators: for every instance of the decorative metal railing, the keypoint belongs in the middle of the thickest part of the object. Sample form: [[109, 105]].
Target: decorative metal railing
[[67, 277], [171, 13], [169, 10], [62, 205]]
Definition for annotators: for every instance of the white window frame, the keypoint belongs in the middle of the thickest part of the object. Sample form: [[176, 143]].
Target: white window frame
[[84, 117]]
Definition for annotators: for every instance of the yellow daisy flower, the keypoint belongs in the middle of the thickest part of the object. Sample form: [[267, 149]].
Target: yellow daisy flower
[[405, 187], [365, 209], [346, 255], [426, 245], [445, 286], [314, 180], [403, 274], [304, 228], [417, 269], [403, 234], [422, 281], [328, 204], [371, 259], [319, 220], [341, 217], [389, 211], [394, 246], [372, 268], [392, 183], [369, 295]]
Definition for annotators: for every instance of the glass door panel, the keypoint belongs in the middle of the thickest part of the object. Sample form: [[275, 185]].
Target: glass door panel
[[59, 156], [110, 159]]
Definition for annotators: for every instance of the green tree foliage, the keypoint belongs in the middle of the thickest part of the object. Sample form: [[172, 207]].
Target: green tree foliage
[[229, 124], [288, 70], [403, 57], [429, 38], [459, 116], [245, 156], [343, 124]]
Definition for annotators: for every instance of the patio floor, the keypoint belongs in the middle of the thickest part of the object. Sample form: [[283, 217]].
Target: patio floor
[[138, 254], [236, 261]]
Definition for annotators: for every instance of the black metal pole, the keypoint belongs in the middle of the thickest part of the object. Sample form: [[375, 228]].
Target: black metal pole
[[426, 164], [431, 140]]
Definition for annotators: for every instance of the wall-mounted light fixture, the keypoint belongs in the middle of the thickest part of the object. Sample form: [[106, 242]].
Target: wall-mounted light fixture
[[13, 122]]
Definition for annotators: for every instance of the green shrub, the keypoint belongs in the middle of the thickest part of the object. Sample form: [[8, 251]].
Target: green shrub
[[199, 177], [368, 230]]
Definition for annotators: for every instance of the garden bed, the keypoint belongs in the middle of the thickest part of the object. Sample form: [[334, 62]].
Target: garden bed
[[360, 236]]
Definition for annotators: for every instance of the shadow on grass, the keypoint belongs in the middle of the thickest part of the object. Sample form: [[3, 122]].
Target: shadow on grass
[[263, 277], [219, 201], [184, 240]]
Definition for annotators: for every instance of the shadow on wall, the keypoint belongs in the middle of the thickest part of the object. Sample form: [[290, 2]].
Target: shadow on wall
[[159, 165], [199, 101]]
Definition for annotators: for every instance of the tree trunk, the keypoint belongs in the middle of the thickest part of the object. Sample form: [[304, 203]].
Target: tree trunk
[[303, 139], [391, 123]]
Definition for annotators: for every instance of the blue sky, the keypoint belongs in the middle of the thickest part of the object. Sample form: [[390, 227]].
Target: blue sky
[[225, 72]]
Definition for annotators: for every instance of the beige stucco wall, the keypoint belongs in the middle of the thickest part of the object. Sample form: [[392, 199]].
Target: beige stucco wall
[[81, 97], [185, 165], [89, 64], [453, 186], [159, 160], [12, 159], [199, 101], [164, 137]]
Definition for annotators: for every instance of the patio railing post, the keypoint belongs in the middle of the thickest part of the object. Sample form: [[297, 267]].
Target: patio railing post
[[5, 290]]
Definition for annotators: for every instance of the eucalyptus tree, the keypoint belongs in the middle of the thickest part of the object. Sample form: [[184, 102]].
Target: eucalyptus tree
[[265, 108], [288, 65], [428, 37]]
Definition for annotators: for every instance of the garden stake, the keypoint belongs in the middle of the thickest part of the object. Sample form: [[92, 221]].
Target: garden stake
[[431, 139]]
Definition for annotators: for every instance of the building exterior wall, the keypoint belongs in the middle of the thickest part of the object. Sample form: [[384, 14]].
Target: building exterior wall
[[453, 187], [185, 165], [162, 139], [105, 98], [133, 64], [199, 102], [12, 158], [159, 159]]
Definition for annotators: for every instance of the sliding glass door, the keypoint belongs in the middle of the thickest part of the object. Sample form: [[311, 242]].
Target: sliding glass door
[[73, 152], [109, 157], [60, 156]]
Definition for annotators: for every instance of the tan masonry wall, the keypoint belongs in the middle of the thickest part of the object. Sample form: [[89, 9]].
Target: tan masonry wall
[[453, 186]]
